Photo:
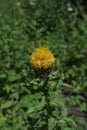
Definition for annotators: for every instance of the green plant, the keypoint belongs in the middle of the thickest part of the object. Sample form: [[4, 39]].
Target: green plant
[[36, 105], [27, 100]]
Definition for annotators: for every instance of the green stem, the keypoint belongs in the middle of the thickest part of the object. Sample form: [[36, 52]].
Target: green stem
[[45, 90]]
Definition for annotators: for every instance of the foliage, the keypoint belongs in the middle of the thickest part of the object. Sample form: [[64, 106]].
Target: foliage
[[29, 101], [56, 25]]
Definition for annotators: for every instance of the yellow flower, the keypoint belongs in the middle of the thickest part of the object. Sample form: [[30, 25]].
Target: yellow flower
[[42, 58]]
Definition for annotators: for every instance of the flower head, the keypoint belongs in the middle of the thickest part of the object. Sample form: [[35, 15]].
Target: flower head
[[42, 58]]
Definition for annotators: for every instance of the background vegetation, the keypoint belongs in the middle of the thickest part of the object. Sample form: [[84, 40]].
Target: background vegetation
[[60, 25]]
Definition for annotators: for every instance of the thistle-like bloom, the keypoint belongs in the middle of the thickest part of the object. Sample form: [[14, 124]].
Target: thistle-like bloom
[[42, 58]]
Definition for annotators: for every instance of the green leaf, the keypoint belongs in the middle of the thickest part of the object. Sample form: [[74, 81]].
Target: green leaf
[[83, 106], [52, 122], [62, 124], [13, 76], [2, 76], [6, 104], [2, 120], [71, 123]]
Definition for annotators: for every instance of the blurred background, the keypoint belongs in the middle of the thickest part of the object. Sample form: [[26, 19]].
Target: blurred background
[[59, 24]]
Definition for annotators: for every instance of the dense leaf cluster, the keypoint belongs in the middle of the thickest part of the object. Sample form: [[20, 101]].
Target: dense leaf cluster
[[29, 101]]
